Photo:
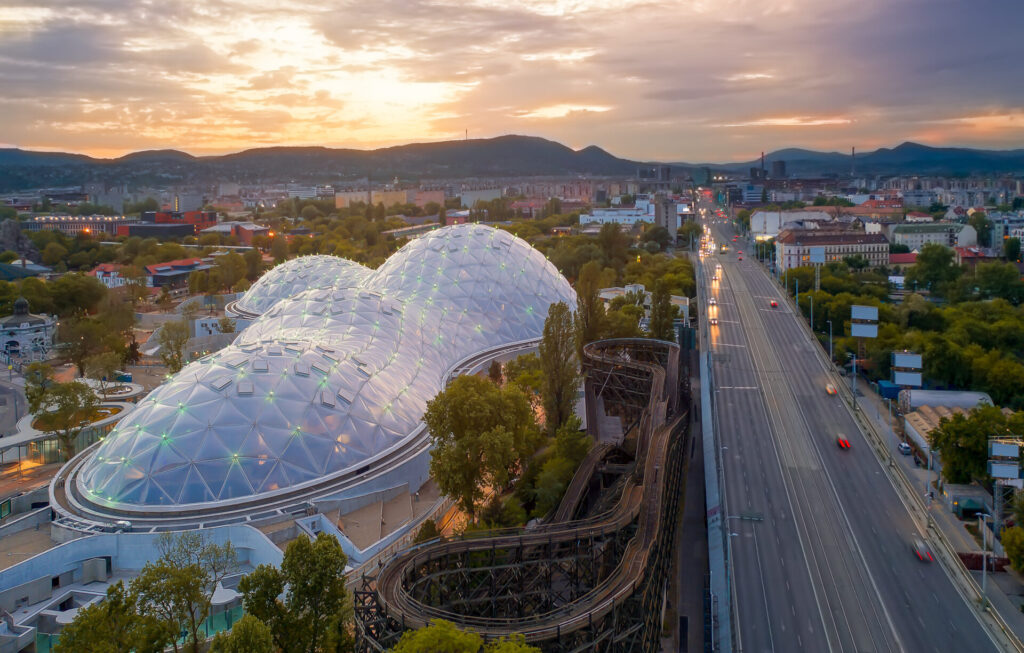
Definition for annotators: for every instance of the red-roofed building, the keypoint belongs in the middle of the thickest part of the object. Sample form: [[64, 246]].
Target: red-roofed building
[[109, 274], [528, 208], [971, 256], [173, 274], [918, 216], [902, 260]]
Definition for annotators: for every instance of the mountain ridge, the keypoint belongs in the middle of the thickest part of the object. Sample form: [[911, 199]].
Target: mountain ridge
[[504, 156]]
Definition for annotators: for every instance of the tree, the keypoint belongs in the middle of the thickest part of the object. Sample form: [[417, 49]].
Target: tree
[[102, 367], [614, 243], [934, 267], [279, 249], [442, 217], [172, 340], [135, 283], [494, 372], [76, 293], [690, 233], [1011, 249], [513, 644], [113, 625], [53, 254], [253, 263], [439, 637], [197, 281], [963, 442], [983, 226], [428, 531], [178, 587], [481, 435], [232, 267], [662, 313], [524, 371], [658, 235], [899, 248], [226, 325], [559, 365], [68, 409], [590, 313], [38, 379], [248, 635], [312, 579], [1013, 544]]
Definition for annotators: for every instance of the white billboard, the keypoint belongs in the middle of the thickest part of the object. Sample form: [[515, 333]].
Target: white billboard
[[864, 330], [912, 379], [909, 361], [817, 254], [858, 312], [1003, 470], [1003, 450]]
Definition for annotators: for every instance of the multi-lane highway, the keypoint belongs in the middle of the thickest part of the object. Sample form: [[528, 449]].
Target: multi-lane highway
[[820, 541]]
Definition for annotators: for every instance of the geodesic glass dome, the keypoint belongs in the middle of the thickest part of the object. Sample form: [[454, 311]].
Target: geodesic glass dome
[[298, 274], [327, 379]]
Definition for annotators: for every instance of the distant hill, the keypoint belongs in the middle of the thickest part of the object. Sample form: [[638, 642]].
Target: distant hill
[[506, 156], [906, 158]]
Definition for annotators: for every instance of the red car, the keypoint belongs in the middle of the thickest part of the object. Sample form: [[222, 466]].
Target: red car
[[739, 258], [775, 304], [842, 441], [735, 238]]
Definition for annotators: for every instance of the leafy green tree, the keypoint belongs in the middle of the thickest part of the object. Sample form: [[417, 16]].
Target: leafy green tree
[[662, 313], [53, 254], [935, 267], [513, 644], [690, 233], [312, 579], [233, 268], [1013, 544], [76, 293], [559, 365], [442, 216], [899, 248], [481, 434], [572, 443], [226, 325], [114, 625], [68, 408], [590, 313], [248, 635], [614, 243], [999, 280], [197, 281], [38, 379], [178, 587], [1011, 249], [135, 283], [962, 440], [439, 637], [525, 372], [253, 264], [172, 338], [494, 372], [983, 226], [658, 235], [103, 367], [279, 249], [428, 531]]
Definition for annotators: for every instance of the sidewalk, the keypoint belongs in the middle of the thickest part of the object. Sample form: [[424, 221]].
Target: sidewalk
[[1003, 589]]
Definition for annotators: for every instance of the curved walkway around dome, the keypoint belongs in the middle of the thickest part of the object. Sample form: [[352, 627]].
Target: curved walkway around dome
[[616, 610]]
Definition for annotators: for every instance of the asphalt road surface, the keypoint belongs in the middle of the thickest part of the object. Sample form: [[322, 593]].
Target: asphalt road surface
[[820, 541]]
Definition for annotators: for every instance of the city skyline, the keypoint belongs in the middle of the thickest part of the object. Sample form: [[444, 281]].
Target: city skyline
[[644, 80]]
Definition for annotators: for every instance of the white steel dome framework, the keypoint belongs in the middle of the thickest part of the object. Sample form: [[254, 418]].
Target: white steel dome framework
[[296, 275], [327, 380]]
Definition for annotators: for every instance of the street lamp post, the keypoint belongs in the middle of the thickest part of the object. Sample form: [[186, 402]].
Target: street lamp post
[[830, 359], [984, 554]]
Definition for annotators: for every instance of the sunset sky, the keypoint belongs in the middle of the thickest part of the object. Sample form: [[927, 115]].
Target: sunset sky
[[707, 80]]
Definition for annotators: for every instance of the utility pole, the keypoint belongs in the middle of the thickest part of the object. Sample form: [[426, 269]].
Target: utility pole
[[830, 359]]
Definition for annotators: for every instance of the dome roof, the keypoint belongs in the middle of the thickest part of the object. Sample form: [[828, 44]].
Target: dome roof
[[326, 380], [297, 275]]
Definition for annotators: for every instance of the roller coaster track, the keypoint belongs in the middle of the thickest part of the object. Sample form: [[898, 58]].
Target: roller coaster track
[[590, 584]]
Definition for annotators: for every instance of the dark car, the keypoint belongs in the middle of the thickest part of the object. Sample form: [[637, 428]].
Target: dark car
[[921, 550]]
